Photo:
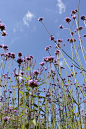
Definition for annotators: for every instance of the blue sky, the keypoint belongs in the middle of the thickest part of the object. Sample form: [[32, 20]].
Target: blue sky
[[27, 35]]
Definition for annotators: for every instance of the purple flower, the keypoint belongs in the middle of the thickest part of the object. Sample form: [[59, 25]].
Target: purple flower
[[5, 47], [6, 118], [33, 83], [51, 37], [36, 72], [3, 34], [40, 19], [19, 54], [46, 48], [84, 35], [59, 40], [72, 33], [73, 12], [79, 28], [2, 27], [67, 19], [19, 60], [74, 17], [13, 55], [61, 27], [42, 63], [83, 18]]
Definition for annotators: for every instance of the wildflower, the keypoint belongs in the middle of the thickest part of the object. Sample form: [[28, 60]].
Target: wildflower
[[83, 18], [33, 83], [68, 39], [51, 58], [2, 27], [79, 28], [22, 73], [59, 40], [1, 46], [19, 60], [45, 59], [84, 35], [42, 63], [74, 17], [28, 58], [3, 34], [76, 10], [19, 54], [31, 56], [36, 72], [67, 19], [40, 19], [6, 118], [73, 12], [5, 47], [72, 33], [63, 44], [46, 48], [13, 55], [57, 51], [51, 37], [61, 27]]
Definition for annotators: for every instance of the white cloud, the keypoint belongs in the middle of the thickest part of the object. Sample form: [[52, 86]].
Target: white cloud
[[61, 6], [14, 30], [28, 17]]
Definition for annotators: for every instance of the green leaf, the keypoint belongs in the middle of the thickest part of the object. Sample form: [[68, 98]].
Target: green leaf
[[27, 69], [21, 92], [34, 121]]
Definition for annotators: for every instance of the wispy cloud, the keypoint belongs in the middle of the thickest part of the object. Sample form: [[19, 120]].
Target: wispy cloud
[[28, 17], [61, 6], [14, 30]]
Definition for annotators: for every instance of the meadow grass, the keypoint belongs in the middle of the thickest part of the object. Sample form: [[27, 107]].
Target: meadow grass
[[28, 101]]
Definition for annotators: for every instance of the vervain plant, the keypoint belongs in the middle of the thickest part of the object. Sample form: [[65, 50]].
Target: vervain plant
[[44, 103]]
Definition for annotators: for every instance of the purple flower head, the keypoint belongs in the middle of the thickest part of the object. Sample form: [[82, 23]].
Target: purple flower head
[[74, 17], [33, 83], [59, 40], [28, 58], [2, 27], [5, 47], [42, 63], [84, 35], [46, 48], [76, 10], [83, 18], [67, 19], [12, 55], [31, 56], [57, 51], [40, 19], [61, 27], [73, 12], [1, 46], [6, 118], [4, 34], [19, 54], [45, 59], [19, 60], [51, 58], [51, 37], [36, 72], [22, 73], [79, 28], [72, 33]]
